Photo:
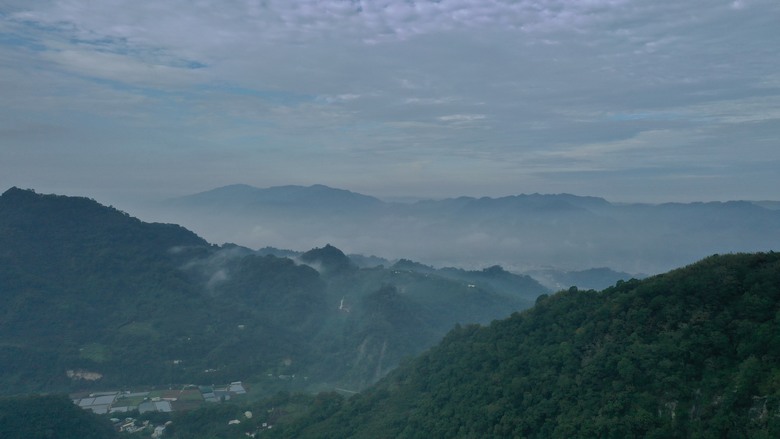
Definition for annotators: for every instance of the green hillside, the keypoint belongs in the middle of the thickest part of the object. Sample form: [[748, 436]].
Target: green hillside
[[92, 298], [691, 353], [84, 286], [50, 416]]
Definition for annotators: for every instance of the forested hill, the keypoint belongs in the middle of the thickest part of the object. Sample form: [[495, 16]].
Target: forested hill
[[47, 220], [691, 353], [85, 286], [91, 297], [54, 239], [50, 416]]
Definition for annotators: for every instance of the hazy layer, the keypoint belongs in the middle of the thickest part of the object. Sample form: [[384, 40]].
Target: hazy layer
[[521, 233]]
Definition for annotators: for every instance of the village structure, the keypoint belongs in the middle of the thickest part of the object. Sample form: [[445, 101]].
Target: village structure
[[122, 403], [187, 398]]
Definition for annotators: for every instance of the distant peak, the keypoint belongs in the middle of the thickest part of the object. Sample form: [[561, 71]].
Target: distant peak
[[234, 187], [289, 195], [331, 258], [13, 191], [494, 270]]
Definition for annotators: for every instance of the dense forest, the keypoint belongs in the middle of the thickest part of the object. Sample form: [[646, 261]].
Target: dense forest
[[91, 297], [50, 417], [691, 353]]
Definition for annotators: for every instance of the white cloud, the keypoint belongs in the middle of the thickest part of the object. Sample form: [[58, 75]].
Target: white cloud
[[120, 68], [461, 118]]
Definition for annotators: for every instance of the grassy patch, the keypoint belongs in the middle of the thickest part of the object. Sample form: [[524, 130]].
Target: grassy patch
[[190, 395], [140, 328], [95, 352]]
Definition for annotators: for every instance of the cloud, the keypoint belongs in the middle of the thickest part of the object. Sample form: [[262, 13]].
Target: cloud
[[334, 89], [116, 67], [461, 118]]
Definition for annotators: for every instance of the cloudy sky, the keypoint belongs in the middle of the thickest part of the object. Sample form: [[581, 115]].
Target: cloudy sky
[[632, 100]]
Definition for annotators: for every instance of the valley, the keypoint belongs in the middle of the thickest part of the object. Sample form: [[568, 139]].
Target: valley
[[128, 317]]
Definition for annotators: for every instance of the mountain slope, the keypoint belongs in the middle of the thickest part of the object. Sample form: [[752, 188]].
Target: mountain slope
[[88, 291], [51, 416], [80, 284], [691, 353]]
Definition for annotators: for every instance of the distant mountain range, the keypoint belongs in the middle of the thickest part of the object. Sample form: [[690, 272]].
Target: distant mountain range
[[316, 196], [561, 232]]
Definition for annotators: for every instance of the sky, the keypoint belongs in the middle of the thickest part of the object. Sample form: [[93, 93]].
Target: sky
[[630, 100]]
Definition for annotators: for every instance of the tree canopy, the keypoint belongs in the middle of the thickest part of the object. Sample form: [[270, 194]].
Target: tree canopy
[[691, 353]]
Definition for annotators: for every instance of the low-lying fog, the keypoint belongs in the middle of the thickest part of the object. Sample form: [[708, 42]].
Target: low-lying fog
[[520, 233]]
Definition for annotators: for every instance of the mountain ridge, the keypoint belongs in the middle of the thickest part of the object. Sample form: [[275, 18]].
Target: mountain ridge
[[286, 195], [520, 232]]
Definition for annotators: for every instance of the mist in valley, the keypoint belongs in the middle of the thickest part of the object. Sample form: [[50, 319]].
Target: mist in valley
[[523, 233]]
